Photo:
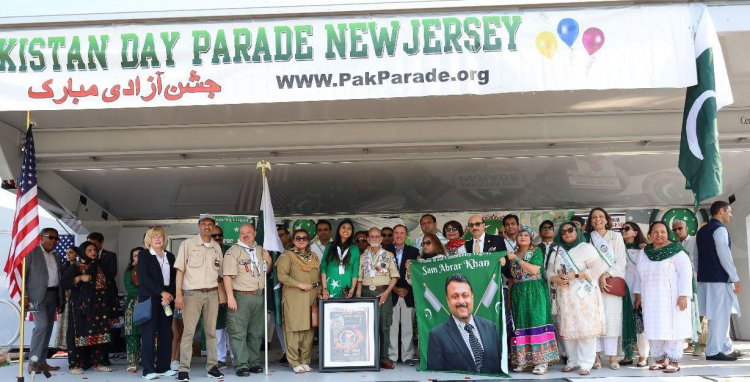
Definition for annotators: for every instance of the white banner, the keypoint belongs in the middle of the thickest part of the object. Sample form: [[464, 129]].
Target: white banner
[[312, 59]]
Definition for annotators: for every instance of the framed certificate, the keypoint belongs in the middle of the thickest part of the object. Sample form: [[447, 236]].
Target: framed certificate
[[348, 335]]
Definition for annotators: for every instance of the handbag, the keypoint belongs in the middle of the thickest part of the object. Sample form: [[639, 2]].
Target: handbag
[[616, 286], [638, 318], [142, 312], [314, 315]]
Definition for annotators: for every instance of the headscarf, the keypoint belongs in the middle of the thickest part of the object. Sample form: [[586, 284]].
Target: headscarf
[[568, 246], [529, 230], [82, 252]]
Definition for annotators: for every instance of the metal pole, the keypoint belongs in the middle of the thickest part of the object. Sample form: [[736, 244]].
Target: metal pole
[[23, 316], [19, 378], [265, 315]]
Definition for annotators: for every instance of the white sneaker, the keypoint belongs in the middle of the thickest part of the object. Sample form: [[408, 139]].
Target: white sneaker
[[307, 367], [174, 365], [169, 373], [151, 376], [299, 369]]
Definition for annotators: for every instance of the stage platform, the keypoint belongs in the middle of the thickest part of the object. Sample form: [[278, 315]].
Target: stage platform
[[694, 369]]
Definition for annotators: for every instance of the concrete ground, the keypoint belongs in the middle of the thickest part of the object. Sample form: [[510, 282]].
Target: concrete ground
[[694, 369]]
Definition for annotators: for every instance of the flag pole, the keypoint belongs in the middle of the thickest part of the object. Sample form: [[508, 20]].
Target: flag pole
[[263, 165], [19, 378]]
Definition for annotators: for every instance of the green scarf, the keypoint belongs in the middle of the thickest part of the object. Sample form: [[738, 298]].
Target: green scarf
[[629, 340], [632, 245], [663, 253], [569, 246]]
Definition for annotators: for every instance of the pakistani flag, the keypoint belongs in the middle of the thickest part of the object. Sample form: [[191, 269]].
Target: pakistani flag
[[700, 161], [268, 237]]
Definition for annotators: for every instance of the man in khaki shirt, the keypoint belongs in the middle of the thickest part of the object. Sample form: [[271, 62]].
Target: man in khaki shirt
[[245, 267], [198, 264], [379, 273]]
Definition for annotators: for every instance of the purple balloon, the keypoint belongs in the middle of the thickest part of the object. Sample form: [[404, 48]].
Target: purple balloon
[[593, 39]]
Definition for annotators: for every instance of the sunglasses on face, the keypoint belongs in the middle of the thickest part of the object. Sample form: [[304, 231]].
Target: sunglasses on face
[[301, 238], [568, 231], [361, 240], [217, 235], [675, 229], [546, 228], [52, 237], [387, 235], [451, 229], [426, 243], [477, 224], [626, 229]]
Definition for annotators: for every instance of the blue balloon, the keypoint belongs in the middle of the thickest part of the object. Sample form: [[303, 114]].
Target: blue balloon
[[567, 29]]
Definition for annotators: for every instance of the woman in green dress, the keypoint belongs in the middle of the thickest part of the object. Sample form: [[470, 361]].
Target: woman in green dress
[[533, 343], [132, 331], [340, 265]]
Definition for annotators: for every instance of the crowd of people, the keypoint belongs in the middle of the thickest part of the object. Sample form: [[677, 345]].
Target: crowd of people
[[581, 292]]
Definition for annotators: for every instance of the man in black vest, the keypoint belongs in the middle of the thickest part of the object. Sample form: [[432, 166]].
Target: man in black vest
[[718, 282]]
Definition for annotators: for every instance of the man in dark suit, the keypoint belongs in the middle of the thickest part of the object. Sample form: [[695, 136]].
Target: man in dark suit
[[463, 342], [43, 296], [484, 242], [481, 241], [403, 299], [108, 261]]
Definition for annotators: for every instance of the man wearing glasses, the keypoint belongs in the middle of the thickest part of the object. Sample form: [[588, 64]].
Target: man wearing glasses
[[379, 274], [481, 241], [680, 230], [43, 296], [387, 233], [198, 264]]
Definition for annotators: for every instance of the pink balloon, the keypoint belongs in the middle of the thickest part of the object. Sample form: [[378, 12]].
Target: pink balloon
[[593, 39]]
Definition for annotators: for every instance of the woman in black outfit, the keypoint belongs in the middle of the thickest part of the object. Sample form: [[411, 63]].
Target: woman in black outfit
[[156, 280]]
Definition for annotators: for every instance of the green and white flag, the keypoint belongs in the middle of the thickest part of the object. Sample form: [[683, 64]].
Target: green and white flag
[[268, 237], [700, 159]]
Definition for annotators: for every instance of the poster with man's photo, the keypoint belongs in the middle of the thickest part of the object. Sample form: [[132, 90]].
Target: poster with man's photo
[[460, 314]]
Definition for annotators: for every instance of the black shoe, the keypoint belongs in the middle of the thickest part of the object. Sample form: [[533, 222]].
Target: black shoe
[[625, 362], [409, 362], [243, 372], [215, 373], [256, 370], [720, 357], [221, 365], [283, 359], [183, 376]]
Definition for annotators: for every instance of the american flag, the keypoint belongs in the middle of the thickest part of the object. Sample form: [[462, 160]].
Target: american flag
[[26, 218], [65, 242]]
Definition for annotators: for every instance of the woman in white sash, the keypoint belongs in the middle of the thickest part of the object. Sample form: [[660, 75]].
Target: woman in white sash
[[664, 288], [611, 249], [634, 242], [579, 300]]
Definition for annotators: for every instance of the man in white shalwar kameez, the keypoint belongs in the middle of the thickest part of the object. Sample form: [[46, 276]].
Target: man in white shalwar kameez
[[718, 282], [663, 288], [680, 229]]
